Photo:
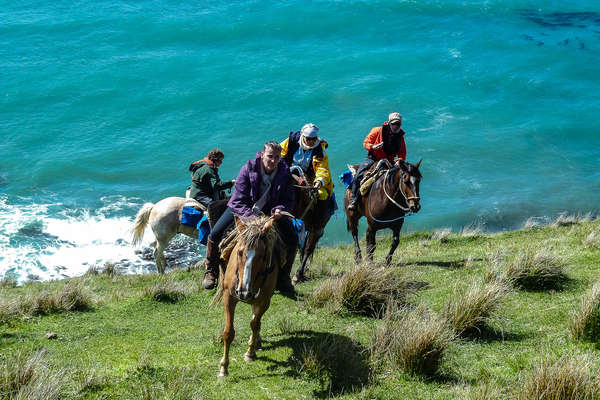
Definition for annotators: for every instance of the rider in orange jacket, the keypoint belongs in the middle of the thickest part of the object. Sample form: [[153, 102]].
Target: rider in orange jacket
[[386, 141]]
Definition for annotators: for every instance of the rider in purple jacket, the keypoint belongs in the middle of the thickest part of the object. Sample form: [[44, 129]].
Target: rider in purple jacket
[[263, 186]]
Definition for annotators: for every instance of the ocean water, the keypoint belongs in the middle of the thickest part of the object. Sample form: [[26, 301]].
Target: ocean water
[[104, 104]]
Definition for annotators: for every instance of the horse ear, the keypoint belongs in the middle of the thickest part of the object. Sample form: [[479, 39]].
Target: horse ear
[[239, 224], [268, 225], [419, 163]]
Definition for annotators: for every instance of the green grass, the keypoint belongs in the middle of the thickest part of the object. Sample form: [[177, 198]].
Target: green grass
[[151, 337]]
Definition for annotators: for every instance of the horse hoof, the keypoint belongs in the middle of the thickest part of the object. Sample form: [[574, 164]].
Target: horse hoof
[[249, 357], [222, 374], [298, 279]]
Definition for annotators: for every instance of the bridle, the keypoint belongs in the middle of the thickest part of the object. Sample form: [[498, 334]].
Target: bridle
[[263, 274], [406, 210]]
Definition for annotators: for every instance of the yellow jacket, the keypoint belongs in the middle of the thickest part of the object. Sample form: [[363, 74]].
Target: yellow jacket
[[320, 162]]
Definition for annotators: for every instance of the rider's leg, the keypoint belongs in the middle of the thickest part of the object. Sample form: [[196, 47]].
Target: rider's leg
[[289, 236], [362, 168], [213, 255]]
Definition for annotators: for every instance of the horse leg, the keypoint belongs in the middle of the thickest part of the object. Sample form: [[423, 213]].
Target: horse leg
[[159, 256], [357, 252], [395, 241], [229, 304], [309, 248], [370, 236], [254, 342]]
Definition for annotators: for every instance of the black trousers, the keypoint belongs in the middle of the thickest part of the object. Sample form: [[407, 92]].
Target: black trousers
[[362, 168]]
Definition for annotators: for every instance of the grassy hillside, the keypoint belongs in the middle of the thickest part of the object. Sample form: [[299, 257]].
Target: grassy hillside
[[465, 315]]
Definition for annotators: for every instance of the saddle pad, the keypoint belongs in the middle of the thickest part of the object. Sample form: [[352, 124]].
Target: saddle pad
[[190, 216], [366, 184]]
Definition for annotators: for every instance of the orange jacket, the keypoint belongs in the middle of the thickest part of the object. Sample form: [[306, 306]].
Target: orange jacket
[[375, 137]]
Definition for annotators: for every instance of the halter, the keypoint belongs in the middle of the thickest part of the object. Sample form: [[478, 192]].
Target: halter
[[394, 202]]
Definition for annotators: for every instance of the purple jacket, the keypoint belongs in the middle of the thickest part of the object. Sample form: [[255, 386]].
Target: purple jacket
[[247, 189]]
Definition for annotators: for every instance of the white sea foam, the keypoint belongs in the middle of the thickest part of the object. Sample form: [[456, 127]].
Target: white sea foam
[[35, 245]]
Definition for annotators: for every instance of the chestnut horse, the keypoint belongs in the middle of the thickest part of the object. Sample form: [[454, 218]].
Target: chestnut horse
[[255, 253], [163, 218], [315, 216], [391, 197]]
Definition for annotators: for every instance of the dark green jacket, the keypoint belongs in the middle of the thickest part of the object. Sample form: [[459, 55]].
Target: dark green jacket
[[206, 184]]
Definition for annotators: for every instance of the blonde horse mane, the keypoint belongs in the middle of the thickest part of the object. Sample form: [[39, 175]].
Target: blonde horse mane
[[254, 229]]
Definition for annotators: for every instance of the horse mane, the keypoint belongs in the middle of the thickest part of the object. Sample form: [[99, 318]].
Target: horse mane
[[252, 232], [249, 236]]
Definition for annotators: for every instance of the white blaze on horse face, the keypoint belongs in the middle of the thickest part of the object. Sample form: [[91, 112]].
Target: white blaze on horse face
[[248, 271]]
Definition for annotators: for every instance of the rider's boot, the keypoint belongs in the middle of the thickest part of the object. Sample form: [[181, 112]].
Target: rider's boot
[[353, 204], [284, 283], [213, 257], [354, 195]]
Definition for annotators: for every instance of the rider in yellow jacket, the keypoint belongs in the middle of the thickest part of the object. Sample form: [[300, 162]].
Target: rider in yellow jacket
[[306, 150]]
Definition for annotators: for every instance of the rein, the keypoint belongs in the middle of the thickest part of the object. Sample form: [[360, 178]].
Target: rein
[[406, 210]]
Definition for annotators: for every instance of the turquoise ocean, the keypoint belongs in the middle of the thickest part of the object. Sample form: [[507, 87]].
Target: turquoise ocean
[[104, 104]]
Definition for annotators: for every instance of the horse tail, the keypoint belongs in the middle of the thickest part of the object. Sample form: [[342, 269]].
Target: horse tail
[[139, 225]]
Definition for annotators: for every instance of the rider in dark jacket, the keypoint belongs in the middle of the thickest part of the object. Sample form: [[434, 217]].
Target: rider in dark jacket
[[263, 186], [206, 184]]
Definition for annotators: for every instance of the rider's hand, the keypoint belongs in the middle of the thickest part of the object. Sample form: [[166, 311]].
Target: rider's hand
[[318, 184], [377, 146], [276, 215]]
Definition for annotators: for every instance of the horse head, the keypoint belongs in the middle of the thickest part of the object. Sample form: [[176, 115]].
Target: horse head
[[253, 255], [408, 179]]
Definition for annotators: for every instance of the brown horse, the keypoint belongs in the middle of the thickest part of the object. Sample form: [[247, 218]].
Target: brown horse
[[391, 197], [315, 215], [255, 254]]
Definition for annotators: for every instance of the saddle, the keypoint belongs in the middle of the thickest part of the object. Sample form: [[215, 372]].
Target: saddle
[[372, 175]]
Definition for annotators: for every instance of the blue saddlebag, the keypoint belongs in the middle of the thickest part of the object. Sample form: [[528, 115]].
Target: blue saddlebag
[[203, 229], [347, 178], [190, 216]]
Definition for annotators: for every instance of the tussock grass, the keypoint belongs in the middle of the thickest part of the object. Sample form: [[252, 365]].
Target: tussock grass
[[8, 282], [568, 378], [168, 291], [412, 340], [484, 392], [566, 219], [585, 322], [471, 231], [71, 297], [364, 289], [470, 310], [592, 240], [29, 377], [443, 235], [336, 362], [537, 270], [111, 269]]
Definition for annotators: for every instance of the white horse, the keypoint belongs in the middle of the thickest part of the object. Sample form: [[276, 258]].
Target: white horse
[[164, 218]]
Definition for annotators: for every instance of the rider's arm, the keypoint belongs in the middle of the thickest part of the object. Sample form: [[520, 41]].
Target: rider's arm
[[284, 147], [371, 139], [402, 152], [241, 200], [321, 168]]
